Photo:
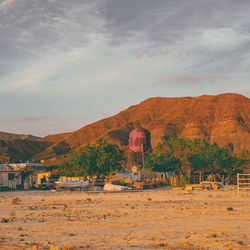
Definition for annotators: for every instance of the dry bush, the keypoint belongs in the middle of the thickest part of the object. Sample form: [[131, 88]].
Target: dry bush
[[162, 244], [4, 220], [213, 235], [33, 208], [187, 245], [16, 201], [240, 243], [69, 247]]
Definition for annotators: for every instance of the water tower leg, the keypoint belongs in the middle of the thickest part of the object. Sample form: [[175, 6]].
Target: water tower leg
[[143, 165]]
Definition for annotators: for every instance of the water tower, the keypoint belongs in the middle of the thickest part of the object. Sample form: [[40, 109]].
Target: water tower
[[137, 144]]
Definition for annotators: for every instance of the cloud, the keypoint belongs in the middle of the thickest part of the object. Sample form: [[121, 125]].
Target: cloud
[[45, 42], [218, 38], [45, 28], [243, 89], [36, 118], [43, 125], [29, 79], [6, 3], [182, 80]]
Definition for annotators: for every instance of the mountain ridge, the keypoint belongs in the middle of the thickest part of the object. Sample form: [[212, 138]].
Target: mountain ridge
[[10, 136], [220, 118], [224, 119], [17, 150]]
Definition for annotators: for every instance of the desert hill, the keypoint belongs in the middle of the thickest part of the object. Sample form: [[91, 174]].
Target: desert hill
[[9, 136], [21, 150], [223, 118]]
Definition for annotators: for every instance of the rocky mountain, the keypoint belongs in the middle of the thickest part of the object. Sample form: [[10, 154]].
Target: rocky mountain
[[224, 119]]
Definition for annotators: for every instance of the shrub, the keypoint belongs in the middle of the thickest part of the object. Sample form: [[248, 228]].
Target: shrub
[[4, 220], [16, 201]]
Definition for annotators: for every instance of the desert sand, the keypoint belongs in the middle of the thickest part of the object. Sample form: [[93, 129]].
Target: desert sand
[[151, 219]]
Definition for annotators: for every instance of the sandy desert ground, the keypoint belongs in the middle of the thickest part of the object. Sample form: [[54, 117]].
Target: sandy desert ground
[[150, 219]]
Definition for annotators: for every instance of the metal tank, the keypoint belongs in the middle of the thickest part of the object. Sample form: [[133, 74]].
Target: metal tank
[[137, 140]]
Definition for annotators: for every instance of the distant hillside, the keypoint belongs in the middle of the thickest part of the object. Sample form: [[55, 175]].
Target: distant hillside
[[9, 136], [224, 119], [21, 150], [56, 137]]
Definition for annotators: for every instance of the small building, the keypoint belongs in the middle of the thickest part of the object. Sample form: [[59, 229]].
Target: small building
[[17, 176], [10, 178]]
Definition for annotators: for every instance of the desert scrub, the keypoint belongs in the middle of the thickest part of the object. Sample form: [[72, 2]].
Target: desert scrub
[[68, 247], [162, 244], [183, 181], [33, 208], [4, 220], [214, 235], [16, 201]]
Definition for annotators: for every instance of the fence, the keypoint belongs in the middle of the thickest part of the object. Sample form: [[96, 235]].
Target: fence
[[9, 185], [243, 183]]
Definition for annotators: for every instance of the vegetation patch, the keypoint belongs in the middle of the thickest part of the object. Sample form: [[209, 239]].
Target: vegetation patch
[[16, 201], [4, 220]]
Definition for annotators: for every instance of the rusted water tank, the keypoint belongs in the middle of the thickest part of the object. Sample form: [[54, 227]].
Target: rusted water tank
[[137, 140]]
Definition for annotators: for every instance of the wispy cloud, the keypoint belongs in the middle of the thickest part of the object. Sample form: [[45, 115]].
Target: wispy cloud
[[36, 118], [32, 76], [6, 3], [183, 80]]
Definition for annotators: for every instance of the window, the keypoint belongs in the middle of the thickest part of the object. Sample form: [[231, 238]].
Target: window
[[11, 177]]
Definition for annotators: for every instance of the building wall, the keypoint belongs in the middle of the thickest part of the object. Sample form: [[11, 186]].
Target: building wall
[[10, 175], [38, 177], [10, 179]]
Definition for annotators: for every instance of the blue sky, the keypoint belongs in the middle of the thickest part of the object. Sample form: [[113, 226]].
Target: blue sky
[[65, 64]]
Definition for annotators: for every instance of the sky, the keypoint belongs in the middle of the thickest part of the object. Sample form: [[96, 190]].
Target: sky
[[65, 64]]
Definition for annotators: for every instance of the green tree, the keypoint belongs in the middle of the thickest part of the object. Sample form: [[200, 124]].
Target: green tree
[[219, 161], [181, 149], [237, 163], [93, 160], [185, 155], [25, 174], [163, 162]]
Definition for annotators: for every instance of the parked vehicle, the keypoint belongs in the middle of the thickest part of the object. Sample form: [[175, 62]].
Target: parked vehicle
[[71, 184], [217, 185], [50, 184], [212, 185]]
